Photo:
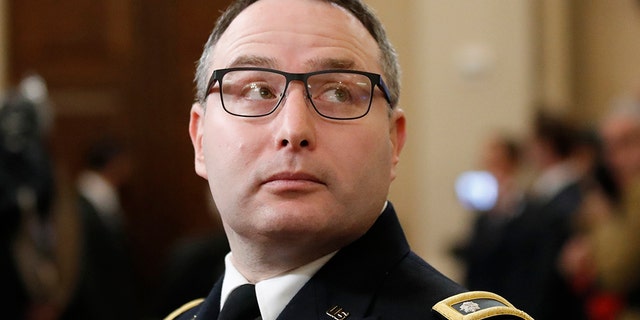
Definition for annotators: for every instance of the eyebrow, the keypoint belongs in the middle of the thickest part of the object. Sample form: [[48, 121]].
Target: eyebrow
[[331, 63], [254, 61], [315, 64]]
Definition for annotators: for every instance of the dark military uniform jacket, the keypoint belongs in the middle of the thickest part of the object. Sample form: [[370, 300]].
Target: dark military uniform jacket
[[375, 277]]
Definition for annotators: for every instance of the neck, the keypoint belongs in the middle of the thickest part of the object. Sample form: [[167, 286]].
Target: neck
[[265, 260]]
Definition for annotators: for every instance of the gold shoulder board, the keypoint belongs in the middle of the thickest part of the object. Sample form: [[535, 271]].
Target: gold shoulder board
[[183, 309], [477, 305]]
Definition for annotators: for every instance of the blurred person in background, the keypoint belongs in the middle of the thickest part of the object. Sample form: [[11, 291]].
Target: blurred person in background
[[617, 242], [501, 159], [600, 194], [611, 252], [529, 251], [28, 275], [106, 287]]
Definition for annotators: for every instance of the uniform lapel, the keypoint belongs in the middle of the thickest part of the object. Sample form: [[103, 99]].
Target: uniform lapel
[[210, 308]]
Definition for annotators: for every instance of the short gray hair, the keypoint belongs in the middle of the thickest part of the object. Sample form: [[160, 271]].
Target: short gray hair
[[389, 59]]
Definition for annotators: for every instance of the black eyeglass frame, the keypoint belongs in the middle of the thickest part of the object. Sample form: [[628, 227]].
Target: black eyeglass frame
[[376, 80]]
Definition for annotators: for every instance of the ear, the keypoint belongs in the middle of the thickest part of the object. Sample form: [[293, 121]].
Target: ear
[[398, 136], [196, 132]]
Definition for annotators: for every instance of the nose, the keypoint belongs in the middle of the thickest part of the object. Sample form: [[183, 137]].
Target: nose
[[296, 120]]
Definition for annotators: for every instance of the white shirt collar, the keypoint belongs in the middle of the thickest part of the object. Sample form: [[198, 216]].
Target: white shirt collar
[[275, 293], [553, 180], [100, 193]]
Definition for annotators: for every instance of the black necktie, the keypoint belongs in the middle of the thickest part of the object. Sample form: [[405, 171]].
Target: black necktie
[[241, 304]]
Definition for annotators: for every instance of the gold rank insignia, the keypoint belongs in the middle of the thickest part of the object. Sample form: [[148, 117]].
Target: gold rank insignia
[[477, 305]]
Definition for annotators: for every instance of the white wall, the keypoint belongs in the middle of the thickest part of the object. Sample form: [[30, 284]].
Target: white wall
[[607, 36], [468, 69]]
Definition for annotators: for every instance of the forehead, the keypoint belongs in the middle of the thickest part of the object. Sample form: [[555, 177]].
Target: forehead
[[293, 35]]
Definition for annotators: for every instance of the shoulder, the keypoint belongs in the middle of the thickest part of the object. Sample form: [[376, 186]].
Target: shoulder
[[414, 272], [477, 305], [416, 290], [411, 288], [189, 306]]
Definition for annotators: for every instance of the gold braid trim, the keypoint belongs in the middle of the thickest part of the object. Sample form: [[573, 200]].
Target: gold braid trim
[[475, 305], [183, 309]]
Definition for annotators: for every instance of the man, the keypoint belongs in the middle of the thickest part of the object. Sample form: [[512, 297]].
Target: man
[[299, 137], [106, 286], [527, 256], [616, 241], [501, 157], [26, 202], [620, 132]]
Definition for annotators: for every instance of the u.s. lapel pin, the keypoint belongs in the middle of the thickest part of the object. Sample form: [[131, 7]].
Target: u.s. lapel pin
[[337, 313]]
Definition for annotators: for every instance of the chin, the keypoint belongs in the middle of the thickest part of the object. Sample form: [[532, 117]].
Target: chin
[[298, 221]]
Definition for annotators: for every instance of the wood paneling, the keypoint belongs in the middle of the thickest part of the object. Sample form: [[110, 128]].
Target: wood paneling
[[125, 68]]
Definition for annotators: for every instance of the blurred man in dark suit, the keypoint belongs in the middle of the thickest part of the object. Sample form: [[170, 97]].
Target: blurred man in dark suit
[[106, 286], [529, 254]]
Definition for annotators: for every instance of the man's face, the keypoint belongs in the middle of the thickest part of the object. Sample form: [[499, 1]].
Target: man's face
[[621, 138], [294, 175]]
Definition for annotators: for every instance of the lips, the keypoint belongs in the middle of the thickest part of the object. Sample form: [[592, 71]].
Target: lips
[[296, 182], [293, 177]]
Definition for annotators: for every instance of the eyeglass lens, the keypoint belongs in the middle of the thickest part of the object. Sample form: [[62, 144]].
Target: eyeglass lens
[[338, 95]]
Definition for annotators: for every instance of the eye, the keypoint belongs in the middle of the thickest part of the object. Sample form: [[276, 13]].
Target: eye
[[336, 93], [258, 91]]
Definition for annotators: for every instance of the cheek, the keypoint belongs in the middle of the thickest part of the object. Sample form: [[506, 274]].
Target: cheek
[[230, 164], [369, 156], [227, 151]]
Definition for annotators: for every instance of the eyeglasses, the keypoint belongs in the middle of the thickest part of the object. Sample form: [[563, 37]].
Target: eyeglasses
[[334, 94]]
